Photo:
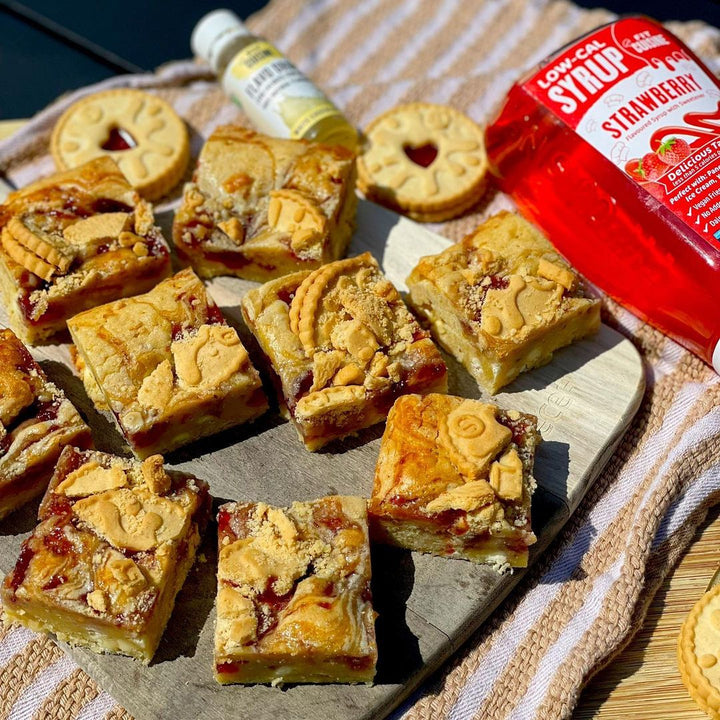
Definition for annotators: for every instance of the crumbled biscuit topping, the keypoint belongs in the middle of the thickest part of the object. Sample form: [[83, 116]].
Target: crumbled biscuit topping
[[293, 575], [506, 475], [349, 317], [273, 549], [90, 230], [558, 273], [92, 478], [127, 239], [154, 475], [524, 302], [97, 600], [118, 583], [209, 358], [157, 388], [135, 520], [234, 229], [144, 219], [326, 364], [33, 244], [442, 453], [468, 497], [349, 375], [238, 613], [341, 398], [22, 255], [295, 213], [473, 437]]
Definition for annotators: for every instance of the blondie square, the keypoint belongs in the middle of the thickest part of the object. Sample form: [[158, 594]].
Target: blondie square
[[341, 346], [115, 542], [167, 365], [502, 300], [454, 478], [294, 600], [36, 422], [74, 240], [259, 207]]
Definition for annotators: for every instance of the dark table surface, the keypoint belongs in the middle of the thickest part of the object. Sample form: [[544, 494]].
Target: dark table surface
[[48, 47]]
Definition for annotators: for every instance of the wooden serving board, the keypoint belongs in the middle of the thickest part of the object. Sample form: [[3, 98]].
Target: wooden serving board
[[427, 605]]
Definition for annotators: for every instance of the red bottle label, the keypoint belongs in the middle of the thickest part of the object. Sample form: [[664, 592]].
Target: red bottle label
[[643, 101]]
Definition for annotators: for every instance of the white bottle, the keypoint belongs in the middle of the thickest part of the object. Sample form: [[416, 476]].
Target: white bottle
[[275, 95]]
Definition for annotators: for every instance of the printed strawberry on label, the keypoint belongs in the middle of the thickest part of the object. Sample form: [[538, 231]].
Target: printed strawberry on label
[[652, 166], [634, 169], [674, 150]]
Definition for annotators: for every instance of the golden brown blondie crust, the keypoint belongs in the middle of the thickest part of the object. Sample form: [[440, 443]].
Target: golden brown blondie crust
[[454, 477], [168, 365], [260, 207], [502, 300], [342, 346], [72, 241]]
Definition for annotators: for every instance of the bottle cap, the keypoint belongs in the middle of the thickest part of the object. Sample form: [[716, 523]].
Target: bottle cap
[[214, 34]]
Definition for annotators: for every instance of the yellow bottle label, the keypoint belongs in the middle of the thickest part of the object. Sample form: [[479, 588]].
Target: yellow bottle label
[[275, 95], [253, 57], [300, 114]]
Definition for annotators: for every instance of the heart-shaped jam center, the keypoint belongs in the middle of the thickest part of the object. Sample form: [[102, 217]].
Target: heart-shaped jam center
[[119, 139], [423, 155]]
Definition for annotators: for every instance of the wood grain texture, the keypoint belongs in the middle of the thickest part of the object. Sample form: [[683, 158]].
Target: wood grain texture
[[643, 681], [427, 605]]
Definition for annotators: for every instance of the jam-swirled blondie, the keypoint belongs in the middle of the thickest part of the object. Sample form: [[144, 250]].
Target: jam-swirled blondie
[[36, 422], [502, 300], [454, 478], [115, 542], [167, 365], [294, 599], [342, 346], [259, 207], [72, 241]]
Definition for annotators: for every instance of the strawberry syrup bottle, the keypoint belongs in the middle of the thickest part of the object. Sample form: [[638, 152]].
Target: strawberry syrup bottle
[[612, 146]]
